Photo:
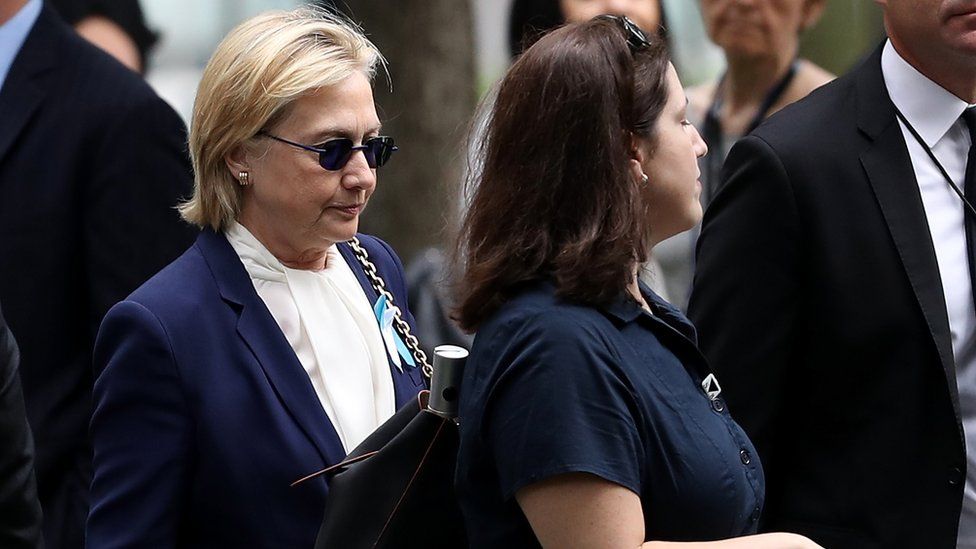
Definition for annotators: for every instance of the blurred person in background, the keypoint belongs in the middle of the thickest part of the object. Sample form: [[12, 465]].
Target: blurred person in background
[[529, 19], [263, 353], [92, 165], [588, 416], [834, 292], [761, 41], [20, 512], [116, 26]]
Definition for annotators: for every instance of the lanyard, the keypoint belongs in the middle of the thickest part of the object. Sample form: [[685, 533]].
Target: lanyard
[[921, 142], [712, 129]]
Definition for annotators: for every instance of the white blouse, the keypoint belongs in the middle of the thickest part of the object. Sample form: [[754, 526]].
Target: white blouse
[[328, 321]]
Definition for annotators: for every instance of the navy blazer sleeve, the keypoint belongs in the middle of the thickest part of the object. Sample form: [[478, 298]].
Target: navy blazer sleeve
[[20, 512], [140, 482], [745, 297], [131, 228]]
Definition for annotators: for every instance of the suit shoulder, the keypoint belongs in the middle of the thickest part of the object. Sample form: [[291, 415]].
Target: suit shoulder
[[823, 113], [185, 281], [106, 86]]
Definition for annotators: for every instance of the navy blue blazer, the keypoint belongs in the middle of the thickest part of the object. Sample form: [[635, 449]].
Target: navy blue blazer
[[204, 416]]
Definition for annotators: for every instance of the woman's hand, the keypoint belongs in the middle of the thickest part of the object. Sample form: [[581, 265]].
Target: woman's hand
[[780, 540]]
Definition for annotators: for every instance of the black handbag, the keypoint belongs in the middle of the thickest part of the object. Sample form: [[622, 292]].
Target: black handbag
[[396, 489]]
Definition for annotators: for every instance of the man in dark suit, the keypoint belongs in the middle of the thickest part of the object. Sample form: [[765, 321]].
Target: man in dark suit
[[20, 512], [834, 294], [92, 163]]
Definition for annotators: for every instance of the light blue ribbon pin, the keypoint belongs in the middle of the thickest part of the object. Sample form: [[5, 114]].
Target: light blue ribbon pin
[[394, 344]]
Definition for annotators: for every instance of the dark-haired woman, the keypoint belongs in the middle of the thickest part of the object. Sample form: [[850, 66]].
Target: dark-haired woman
[[588, 416]]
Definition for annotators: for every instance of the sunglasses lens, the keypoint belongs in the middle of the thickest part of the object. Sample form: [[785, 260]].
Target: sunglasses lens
[[335, 154], [379, 150]]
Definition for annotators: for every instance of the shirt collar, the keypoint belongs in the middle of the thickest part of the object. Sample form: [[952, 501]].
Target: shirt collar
[[930, 108], [13, 33], [625, 309]]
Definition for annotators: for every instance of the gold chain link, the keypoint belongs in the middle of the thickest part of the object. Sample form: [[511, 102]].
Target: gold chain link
[[401, 325]]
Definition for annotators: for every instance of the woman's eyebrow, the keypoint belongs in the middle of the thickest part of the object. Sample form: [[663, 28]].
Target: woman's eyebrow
[[335, 131]]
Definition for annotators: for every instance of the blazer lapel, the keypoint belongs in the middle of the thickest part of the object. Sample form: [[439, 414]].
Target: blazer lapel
[[889, 169], [26, 84], [261, 334], [346, 251]]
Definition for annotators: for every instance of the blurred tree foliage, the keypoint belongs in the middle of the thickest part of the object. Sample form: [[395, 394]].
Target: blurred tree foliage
[[430, 48], [849, 30]]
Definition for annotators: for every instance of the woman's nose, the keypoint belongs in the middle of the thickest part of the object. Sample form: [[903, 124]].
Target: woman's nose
[[701, 148], [357, 173]]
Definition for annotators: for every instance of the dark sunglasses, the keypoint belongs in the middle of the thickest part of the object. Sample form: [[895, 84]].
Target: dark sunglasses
[[334, 154], [636, 39]]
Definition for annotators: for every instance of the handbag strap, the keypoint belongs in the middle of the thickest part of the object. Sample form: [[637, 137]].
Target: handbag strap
[[399, 324]]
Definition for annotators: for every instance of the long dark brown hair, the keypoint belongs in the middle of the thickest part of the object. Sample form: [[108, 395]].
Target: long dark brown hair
[[554, 197]]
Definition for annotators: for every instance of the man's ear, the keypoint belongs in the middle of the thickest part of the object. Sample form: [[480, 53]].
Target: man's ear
[[812, 12]]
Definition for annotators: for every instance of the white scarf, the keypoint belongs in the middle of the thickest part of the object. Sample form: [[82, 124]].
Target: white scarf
[[329, 323]]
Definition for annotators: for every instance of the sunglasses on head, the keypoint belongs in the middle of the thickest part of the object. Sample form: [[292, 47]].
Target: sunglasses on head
[[335, 153], [636, 39]]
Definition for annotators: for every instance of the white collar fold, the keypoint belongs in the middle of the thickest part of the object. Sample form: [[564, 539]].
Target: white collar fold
[[930, 108]]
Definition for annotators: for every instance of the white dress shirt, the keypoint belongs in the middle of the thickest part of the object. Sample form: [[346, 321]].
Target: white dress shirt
[[329, 323], [934, 113], [14, 32]]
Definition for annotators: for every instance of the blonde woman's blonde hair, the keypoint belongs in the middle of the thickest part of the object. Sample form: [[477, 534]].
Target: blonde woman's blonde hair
[[258, 70]]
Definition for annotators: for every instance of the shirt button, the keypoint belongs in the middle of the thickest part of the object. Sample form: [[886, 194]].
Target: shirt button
[[718, 405], [745, 456], [755, 515], [955, 476]]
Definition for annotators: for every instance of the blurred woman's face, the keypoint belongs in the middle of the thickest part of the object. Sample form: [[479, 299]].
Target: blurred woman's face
[[671, 165], [646, 13], [758, 28], [294, 201]]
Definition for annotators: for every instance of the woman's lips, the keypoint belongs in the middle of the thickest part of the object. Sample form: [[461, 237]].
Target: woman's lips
[[349, 209], [963, 9]]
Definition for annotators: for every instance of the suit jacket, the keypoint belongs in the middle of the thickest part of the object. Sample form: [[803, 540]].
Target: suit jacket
[[819, 303], [204, 415], [20, 512], [92, 163]]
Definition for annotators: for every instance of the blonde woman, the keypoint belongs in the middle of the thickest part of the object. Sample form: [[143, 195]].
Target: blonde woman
[[257, 357]]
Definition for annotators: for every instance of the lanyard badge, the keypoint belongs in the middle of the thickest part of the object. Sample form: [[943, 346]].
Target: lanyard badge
[[711, 387]]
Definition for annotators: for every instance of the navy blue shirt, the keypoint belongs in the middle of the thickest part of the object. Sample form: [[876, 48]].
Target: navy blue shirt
[[553, 388]]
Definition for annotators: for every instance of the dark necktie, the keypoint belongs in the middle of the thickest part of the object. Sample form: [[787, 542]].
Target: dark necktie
[[969, 190]]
